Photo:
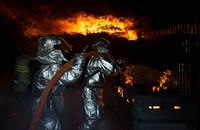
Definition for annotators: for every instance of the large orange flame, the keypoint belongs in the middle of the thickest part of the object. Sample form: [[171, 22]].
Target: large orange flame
[[80, 23], [87, 24]]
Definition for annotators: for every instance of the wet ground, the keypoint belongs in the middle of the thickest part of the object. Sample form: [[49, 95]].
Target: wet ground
[[16, 114]]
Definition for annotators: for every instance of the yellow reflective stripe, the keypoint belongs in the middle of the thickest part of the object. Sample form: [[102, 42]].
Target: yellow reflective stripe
[[20, 68]]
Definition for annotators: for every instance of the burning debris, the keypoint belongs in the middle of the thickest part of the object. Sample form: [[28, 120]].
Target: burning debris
[[153, 79], [165, 81]]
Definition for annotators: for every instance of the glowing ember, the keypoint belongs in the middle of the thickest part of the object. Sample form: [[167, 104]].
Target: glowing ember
[[129, 80]]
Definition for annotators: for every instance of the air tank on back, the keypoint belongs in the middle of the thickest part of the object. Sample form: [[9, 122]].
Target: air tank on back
[[21, 77]]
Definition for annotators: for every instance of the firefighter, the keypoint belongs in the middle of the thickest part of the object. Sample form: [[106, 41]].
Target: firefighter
[[97, 69], [50, 57]]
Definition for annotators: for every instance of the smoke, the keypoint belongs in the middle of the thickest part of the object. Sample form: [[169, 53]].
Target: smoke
[[35, 18], [143, 74]]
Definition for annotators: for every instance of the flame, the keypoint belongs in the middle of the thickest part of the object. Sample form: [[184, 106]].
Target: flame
[[129, 80], [87, 24], [163, 79], [79, 23]]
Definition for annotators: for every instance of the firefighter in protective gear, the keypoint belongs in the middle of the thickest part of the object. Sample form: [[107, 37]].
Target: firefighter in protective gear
[[50, 57], [98, 67]]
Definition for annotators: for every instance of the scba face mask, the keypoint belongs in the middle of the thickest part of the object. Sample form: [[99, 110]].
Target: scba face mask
[[67, 53], [102, 45]]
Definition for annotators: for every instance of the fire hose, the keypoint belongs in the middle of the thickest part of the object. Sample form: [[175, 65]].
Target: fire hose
[[49, 86]]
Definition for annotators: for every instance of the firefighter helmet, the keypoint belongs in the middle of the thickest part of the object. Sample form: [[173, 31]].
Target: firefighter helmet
[[50, 42], [102, 45]]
